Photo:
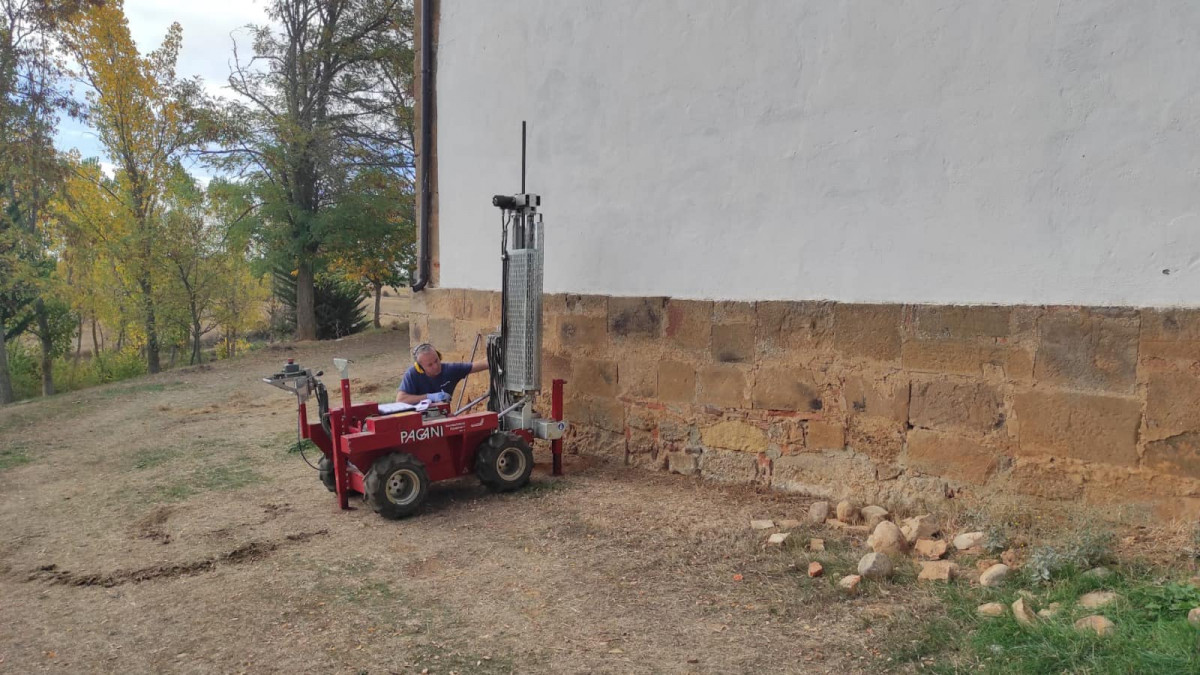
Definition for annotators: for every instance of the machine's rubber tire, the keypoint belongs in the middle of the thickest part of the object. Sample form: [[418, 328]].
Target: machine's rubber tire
[[396, 485], [503, 462], [325, 472]]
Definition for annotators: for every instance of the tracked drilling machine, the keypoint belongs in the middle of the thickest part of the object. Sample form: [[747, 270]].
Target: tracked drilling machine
[[390, 453]]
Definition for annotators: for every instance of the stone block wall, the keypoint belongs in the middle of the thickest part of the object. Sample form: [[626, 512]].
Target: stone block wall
[[898, 404]]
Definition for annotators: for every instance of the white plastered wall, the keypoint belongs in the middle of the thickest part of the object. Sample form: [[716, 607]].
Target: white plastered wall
[[1008, 152]]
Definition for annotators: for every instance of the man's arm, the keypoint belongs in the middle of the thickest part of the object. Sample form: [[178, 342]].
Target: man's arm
[[479, 365], [404, 397]]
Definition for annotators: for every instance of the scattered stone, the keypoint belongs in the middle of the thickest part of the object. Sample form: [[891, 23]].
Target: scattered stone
[[818, 513], [968, 540], [994, 575], [1050, 610], [789, 524], [1009, 557], [1099, 624], [1098, 573], [1097, 599], [1022, 613], [762, 524], [874, 515], [1195, 581], [816, 545], [887, 538], [1194, 617], [986, 564], [932, 549], [938, 570], [968, 575], [834, 522], [849, 583], [990, 609], [919, 527], [815, 569], [875, 566], [848, 513], [778, 538]]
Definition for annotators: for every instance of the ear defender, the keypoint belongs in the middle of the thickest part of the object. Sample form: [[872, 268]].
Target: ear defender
[[416, 350]]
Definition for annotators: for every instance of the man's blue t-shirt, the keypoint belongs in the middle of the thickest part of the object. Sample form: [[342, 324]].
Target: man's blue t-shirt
[[418, 384]]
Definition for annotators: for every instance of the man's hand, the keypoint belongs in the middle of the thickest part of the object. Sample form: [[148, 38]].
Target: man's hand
[[438, 396]]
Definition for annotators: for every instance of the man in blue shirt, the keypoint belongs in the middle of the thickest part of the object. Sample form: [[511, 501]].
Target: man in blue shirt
[[429, 378]]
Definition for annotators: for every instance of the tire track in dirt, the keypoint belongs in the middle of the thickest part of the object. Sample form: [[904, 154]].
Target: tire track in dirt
[[253, 551]]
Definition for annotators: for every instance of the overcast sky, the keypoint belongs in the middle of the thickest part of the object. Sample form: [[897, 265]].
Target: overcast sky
[[207, 49]]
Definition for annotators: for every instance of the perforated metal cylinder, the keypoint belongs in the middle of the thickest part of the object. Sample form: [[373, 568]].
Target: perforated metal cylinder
[[522, 352]]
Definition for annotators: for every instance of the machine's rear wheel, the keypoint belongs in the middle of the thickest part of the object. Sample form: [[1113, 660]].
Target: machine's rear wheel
[[396, 485], [504, 462], [325, 472]]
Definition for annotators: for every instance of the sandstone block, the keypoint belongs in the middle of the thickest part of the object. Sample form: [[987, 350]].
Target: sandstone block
[[849, 584], [778, 538], [734, 435], [1178, 455], [888, 398], [867, 331], [959, 322], [1081, 349], [441, 332], [722, 386], [968, 540], [874, 515], [951, 356], [941, 404], [1022, 613], [605, 413], [1171, 404], [818, 512], [950, 456], [847, 512], [1170, 334], [784, 326], [581, 332], [636, 317], [683, 463], [933, 549], [594, 378], [637, 378], [887, 539], [1098, 573], [919, 527], [733, 343], [676, 382], [1081, 426], [789, 523], [786, 389], [1095, 624], [875, 566], [689, 323], [824, 435], [1045, 480], [1193, 616], [994, 576], [812, 473], [816, 545], [761, 524], [815, 569], [477, 305], [941, 570], [990, 609]]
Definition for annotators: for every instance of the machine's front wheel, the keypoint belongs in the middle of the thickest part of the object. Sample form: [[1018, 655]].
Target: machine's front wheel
[[325, 472], [396, 485], [504, 462]]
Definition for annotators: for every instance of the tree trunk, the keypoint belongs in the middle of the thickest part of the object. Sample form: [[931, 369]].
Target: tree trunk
[[79, 339], [152, 363], [6, 390], [95, 342], [47, 343], [378, 293], [196, 341], [306, 311]]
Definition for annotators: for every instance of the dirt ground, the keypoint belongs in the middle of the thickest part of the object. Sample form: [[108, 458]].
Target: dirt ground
[[161, 525]]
